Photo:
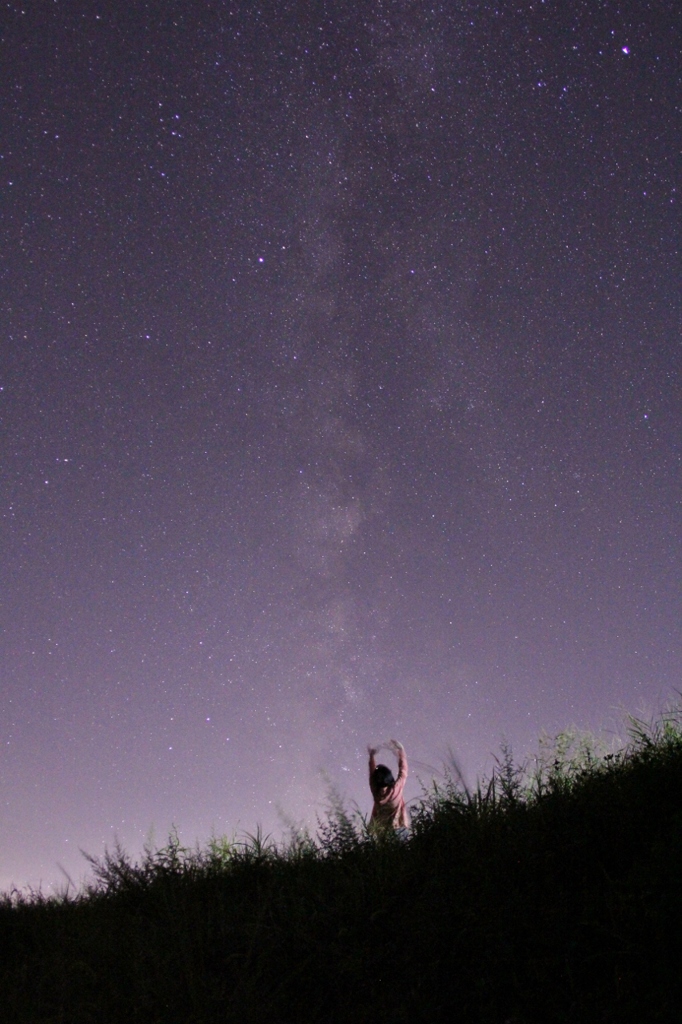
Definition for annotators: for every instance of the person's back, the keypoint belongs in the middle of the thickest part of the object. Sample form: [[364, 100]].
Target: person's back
[[389, 810]]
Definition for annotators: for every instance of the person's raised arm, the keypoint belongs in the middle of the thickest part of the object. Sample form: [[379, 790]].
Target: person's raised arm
[[399, 751], [372, 763]]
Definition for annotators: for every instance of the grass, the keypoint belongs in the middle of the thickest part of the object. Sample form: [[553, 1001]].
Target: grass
[[550, 893]]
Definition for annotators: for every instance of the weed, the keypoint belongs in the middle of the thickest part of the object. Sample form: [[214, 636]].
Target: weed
[[549, 892]]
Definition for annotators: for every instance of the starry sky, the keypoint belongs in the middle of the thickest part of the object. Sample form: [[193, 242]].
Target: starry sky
[[340, 400]]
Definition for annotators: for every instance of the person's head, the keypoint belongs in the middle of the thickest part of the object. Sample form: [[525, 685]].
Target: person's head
[[382, 777]]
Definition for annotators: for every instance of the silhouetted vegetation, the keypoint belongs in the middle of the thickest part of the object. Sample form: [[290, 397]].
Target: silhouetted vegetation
[[549, 894]]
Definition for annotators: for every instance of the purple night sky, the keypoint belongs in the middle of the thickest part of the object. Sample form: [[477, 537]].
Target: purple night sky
[[340, 400]]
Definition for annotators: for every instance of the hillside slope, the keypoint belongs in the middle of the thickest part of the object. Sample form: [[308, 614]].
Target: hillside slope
[[555, 898]]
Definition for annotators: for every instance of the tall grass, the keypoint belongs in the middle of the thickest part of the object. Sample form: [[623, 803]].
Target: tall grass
[[550, 892]]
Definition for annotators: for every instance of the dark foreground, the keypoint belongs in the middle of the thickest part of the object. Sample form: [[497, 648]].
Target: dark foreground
[[554, 900]]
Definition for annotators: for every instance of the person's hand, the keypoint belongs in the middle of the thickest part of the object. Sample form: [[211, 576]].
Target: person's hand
[[371, 751], [396, 746]]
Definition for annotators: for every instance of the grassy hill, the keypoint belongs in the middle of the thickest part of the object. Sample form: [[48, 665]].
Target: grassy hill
[[550, 896]]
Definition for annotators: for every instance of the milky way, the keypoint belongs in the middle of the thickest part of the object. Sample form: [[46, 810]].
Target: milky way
[[340, 400]]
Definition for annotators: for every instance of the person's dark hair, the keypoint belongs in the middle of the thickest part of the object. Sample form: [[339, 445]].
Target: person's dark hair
[[382, 776]]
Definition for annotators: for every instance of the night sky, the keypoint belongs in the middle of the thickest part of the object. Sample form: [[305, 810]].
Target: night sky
[[340, 400]]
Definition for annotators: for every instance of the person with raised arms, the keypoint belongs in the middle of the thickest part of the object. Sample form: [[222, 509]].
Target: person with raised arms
[[389, 810]]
